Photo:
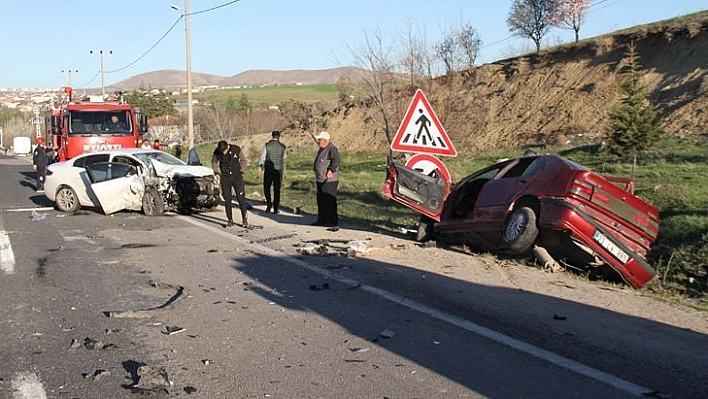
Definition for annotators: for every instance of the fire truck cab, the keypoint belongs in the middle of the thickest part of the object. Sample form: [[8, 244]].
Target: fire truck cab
[[93, 124]]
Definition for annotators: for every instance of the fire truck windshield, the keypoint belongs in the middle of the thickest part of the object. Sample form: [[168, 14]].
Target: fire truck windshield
[[99, 122]]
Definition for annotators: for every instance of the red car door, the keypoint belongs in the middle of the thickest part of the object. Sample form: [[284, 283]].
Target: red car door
[[497, 195]]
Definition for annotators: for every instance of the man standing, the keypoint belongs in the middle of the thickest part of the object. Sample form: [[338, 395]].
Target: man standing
[[327, 179], [40, 160], [273, 160], [228, 163]]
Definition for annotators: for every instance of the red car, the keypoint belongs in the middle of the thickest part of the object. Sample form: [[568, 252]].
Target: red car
[[579, 217]]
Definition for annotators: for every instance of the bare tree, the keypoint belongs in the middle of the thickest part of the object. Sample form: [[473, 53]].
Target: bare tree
[[459, 49], [414, 53], [374, 56], [447, 51], [217, 122], [531, 19], [569, 14], [469, 44]]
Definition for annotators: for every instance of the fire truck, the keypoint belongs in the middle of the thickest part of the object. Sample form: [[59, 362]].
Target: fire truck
[[92, 124]]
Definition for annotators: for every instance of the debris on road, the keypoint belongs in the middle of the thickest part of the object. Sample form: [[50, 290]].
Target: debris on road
[[37, 217], [315, 287], [325, 247], [274, 238], [359, 350], [179, 293], [171, 330], [99, 373], [152, 380], [93, 344], [387, 333]]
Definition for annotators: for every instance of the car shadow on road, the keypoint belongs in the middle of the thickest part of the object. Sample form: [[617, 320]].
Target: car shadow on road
[[349, 292]]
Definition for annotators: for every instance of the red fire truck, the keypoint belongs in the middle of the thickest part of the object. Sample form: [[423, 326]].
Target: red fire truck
[[93, 124]]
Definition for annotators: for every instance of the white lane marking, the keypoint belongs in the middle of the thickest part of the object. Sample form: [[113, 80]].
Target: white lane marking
[[28, 386], [474, 328], [7, 257], [46, 208]]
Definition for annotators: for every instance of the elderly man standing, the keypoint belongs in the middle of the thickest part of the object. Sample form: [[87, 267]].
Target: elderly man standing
[[327, 179], [273, 161]]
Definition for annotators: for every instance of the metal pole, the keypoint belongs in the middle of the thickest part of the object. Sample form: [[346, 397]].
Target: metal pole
[[103, 76], [190, 113], [68, 76]]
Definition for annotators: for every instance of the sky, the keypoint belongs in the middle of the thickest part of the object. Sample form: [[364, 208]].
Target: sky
[[50, 43]]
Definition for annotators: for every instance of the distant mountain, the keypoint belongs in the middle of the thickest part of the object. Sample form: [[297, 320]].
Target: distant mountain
[[173, 79]]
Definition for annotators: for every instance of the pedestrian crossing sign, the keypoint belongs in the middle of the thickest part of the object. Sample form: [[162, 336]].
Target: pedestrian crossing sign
[[421, 131]]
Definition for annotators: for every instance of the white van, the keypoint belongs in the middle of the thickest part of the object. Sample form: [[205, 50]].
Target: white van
[[22, 146]]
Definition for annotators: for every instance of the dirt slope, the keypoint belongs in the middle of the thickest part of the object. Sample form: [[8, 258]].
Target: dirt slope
[[558, 97]]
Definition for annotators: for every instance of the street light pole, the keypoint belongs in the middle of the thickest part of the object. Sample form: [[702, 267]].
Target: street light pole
[[190, 109]]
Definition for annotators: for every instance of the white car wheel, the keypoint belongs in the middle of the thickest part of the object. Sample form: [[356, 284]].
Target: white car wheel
[[66, 200]]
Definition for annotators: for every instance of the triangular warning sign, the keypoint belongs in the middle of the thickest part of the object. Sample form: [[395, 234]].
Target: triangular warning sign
[[421, 131]]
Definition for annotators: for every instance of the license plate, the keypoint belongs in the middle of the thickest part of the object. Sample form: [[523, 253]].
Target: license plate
[[611, 247]]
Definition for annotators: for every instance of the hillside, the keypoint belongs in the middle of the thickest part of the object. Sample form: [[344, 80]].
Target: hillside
[[176, 79], [561, 96]]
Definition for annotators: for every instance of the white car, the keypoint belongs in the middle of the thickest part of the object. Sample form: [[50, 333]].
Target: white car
[[130, 179]]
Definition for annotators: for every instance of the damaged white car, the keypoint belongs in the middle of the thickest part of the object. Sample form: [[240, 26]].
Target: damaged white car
[[131, 179]]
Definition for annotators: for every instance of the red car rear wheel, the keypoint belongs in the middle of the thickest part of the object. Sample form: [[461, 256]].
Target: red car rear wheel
[[520, 230]]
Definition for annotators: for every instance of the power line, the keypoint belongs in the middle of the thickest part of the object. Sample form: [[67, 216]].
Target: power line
[[148, 50], [165, 35], [214, 8]]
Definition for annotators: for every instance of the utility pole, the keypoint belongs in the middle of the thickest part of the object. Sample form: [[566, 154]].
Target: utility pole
[[190, 108], [68, 75], [103, 72], [37, 122]]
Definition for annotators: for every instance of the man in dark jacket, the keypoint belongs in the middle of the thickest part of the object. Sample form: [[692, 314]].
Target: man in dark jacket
[[228, 163], [40, 160], [327, 179], [273, 160]]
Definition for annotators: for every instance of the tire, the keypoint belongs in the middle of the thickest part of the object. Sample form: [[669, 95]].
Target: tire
[[425, 229], [153, 203], [520, 230], [66, 200]]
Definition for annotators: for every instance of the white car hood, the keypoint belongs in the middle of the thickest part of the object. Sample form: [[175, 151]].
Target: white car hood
[[171, 171]]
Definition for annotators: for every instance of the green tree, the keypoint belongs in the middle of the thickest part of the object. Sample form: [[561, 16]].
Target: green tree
[[150, 104], [243, 102], [634, 126]]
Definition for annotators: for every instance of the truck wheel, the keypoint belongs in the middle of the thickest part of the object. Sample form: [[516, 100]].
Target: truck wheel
[[520, 230], [66, 200], [153, 204]]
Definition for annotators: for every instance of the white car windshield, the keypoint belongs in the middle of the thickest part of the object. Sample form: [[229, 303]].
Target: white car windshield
[[159, 156]]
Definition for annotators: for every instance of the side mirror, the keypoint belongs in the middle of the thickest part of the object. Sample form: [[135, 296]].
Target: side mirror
[[143, 123], [55, 124]]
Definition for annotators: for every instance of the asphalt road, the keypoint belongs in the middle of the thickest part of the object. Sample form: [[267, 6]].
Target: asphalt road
[[103, 306]]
